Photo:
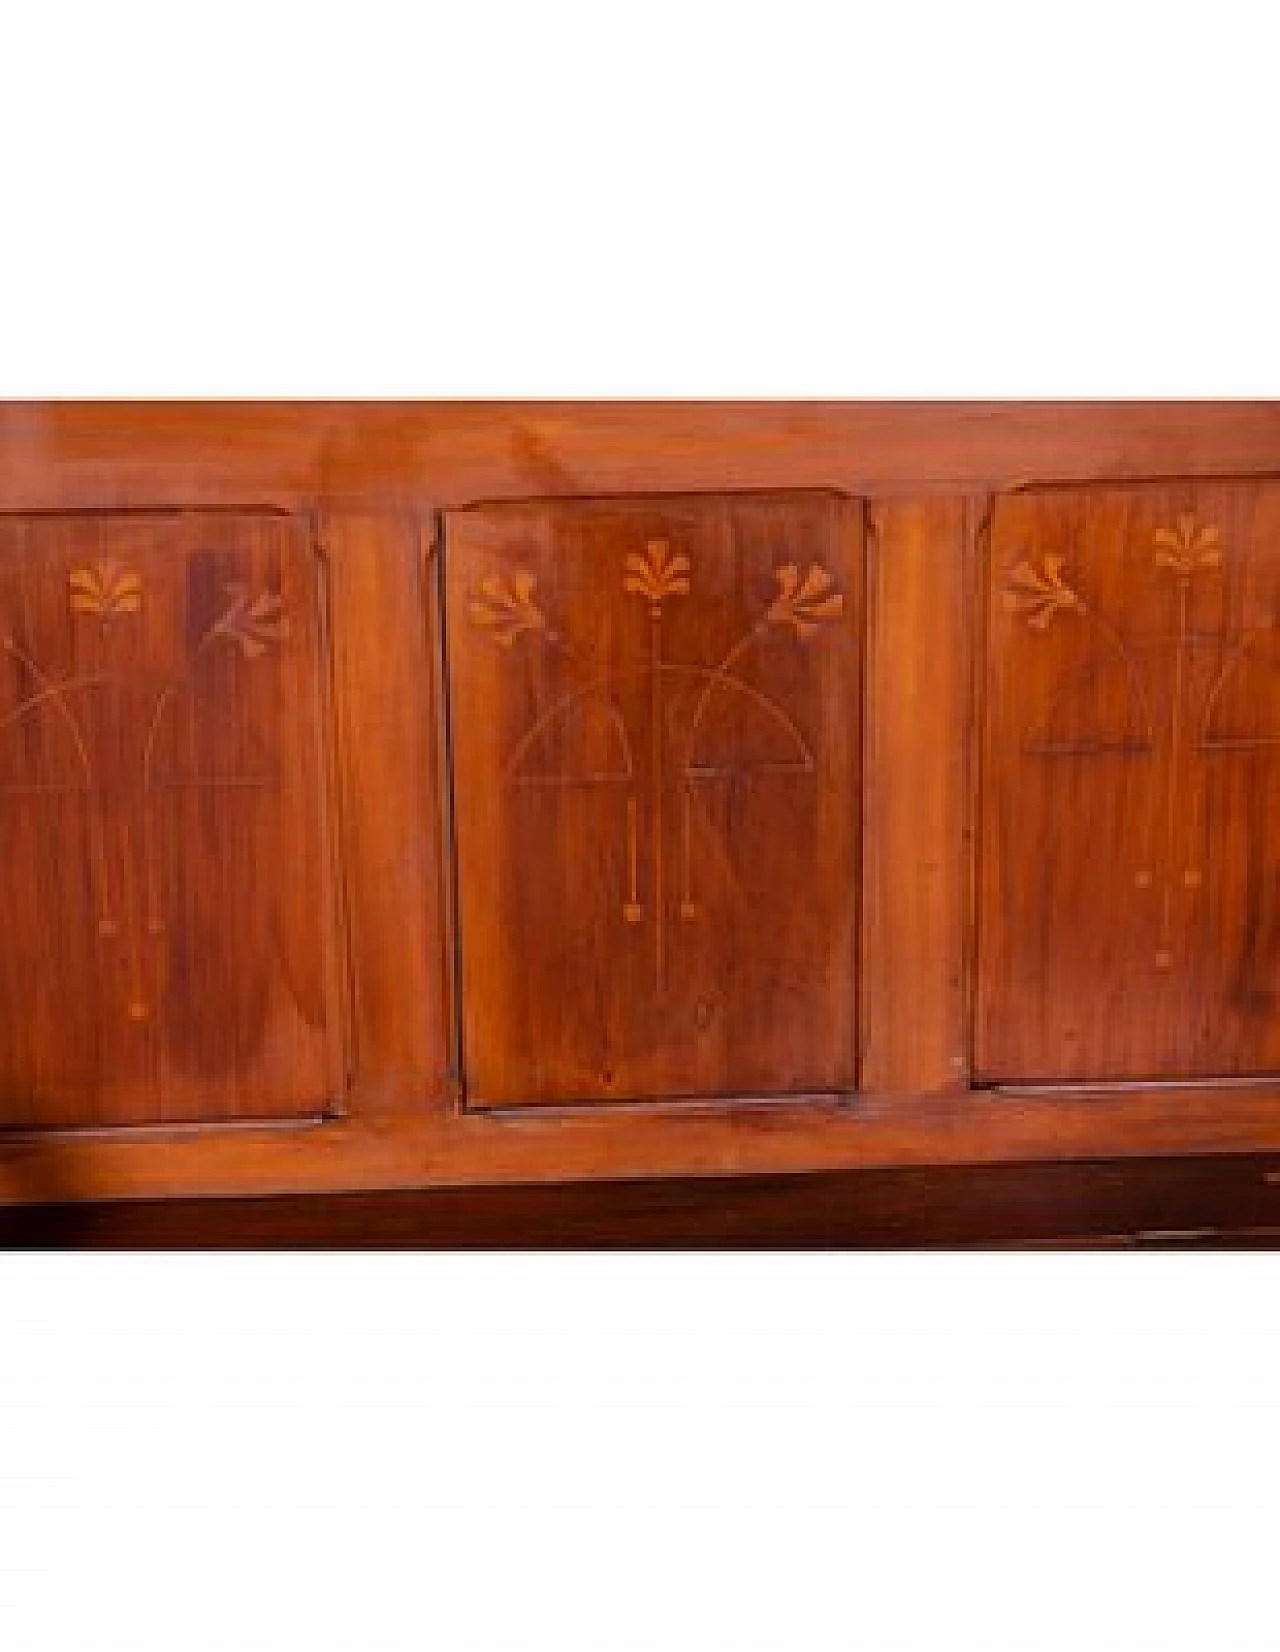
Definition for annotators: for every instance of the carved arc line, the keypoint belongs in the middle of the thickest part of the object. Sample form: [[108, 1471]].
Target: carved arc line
[[55, 694], [1243, 649], [1180, 713], [591, 691], [164, 699], [1035, 746], [68, 685], [804, 762], [712, 678], [1136, 681], [259, 629], [721, 674], [717, 677], [771, 708], [1039, 745]]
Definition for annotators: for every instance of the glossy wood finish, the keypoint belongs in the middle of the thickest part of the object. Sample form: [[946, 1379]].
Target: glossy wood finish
[[396, 507], [1142, 1203], [655, 732], [167, 902], [918, 796], [1130, 924], [439, 1146], [421, 455], [391, 783]]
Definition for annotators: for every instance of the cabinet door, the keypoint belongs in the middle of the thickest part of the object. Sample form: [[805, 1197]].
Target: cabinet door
[[166, 905], [1129, 923], [654, 722]]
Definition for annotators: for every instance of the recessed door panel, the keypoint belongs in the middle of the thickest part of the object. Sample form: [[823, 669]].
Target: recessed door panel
[[654, 717], [166, 905], [1129, 923]]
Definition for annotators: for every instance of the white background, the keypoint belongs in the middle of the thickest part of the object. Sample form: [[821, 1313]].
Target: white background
[[638, 1452], [663, 198]]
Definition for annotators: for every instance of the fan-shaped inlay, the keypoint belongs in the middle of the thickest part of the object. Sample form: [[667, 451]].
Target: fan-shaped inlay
[[663, 727]]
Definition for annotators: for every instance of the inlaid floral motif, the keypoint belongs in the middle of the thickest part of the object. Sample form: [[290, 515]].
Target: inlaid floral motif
[[1040, 593], [1188, 546], [804, 604], [657, 574], [1173, 736], [105, 588], [507, 611], [254, 624]]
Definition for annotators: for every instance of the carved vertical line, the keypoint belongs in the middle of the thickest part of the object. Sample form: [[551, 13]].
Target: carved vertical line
[[632, 910], [655, 638], [688, 911], [138, 1007], [1164, 952]]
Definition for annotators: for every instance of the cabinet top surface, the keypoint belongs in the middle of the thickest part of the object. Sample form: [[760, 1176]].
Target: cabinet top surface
[[413, 455]]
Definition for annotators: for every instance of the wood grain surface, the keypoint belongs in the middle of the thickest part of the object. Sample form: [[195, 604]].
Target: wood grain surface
[[166, 903], [1130, 924], [391, 788], [1226, 1200], [918, 795], [348, 846], [655, 729], [424, 455]]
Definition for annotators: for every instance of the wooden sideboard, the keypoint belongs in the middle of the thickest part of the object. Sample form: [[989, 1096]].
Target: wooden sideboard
[[445, 795]]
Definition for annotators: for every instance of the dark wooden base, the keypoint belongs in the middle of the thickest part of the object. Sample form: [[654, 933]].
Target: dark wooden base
[[1226, 1200]]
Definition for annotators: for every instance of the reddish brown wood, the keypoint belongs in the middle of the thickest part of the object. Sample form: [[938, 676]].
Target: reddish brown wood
[[1146, 1202], [584, 1144], [655, 730], [376, 1045], [918, 796], [1131, 801], [424, 454], [167, 898], [391, 788]]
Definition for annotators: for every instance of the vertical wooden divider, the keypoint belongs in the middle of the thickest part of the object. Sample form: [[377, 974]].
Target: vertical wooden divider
[[919, 773], [390, 773]]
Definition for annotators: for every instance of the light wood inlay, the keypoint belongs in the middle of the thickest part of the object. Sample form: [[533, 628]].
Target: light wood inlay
[[1131, 915], [668, 743], [168, 943]]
